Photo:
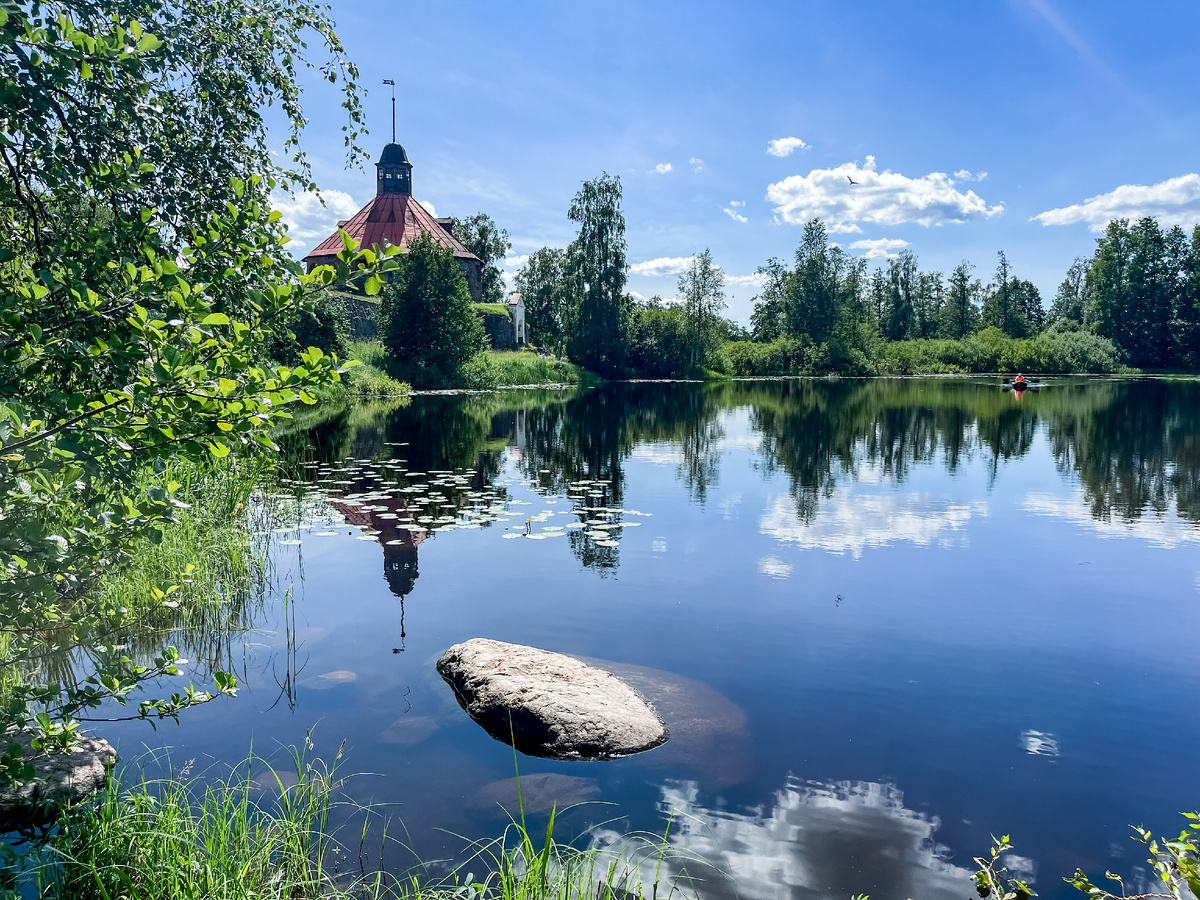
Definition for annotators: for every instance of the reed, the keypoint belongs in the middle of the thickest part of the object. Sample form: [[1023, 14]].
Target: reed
[[263, 834]]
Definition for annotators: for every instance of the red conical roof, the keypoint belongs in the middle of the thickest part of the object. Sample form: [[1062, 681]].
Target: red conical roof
[[394, 219]]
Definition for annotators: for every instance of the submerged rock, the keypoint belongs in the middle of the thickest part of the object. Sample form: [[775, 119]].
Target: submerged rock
[[548, 704], [60, 779], [537, 793]]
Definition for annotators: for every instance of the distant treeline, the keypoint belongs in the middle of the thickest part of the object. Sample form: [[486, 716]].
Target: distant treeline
[[1134, 303]]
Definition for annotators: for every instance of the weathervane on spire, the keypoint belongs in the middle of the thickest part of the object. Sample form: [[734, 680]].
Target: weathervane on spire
[[393, 84]]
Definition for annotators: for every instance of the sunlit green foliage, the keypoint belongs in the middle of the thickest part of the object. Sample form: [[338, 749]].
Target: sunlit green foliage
[[597, 306], [141, 273], [426, 319], [483, 237]]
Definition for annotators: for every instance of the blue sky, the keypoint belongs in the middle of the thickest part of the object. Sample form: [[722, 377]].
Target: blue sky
[[1075, 111]]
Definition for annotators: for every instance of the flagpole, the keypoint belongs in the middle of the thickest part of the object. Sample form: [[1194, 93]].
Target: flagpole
[[393, 84]]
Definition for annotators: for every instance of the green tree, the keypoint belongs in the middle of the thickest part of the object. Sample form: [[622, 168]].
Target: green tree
[[542, 283], [960, 314], [701, 290], [811, 299], [427, 321], [1137, 284], [1185, 325], [141, 276], [999, 308], [930, 297], [769, 318], [598, 311], [1070, 304], [480, 234], [902, 282], [1027, 301], [661, 346]]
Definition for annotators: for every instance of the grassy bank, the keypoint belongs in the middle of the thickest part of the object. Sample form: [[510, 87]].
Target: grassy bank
[[370, 377], [265, 834], [505, 368], [190, 583]]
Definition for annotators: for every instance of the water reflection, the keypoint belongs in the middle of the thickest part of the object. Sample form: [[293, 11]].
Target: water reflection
[[813, 840], [854, 519], [843, 446]]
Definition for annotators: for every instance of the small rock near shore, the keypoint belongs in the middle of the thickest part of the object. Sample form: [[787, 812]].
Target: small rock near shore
[[60, 779], [549, 704]]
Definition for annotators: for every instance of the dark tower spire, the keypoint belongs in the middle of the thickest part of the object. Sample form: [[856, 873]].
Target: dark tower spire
[[393, 171]]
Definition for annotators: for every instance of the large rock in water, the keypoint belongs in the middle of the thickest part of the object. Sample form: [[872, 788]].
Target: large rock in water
[[548, 704], [60, 779]]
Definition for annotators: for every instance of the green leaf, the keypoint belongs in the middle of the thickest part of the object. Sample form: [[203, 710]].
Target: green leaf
[[215, 319]]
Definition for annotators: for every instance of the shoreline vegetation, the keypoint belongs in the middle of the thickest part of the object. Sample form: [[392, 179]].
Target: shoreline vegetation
[[157, 329]]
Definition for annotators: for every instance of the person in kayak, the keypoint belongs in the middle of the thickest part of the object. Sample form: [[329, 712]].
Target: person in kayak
[[1019, 382]]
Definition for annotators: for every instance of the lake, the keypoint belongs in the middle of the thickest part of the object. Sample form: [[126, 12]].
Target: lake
[[891, 618]]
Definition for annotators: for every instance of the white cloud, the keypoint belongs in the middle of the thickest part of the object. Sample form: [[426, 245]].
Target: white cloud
[[843, 228], [307, 220], [1165, 529], [696, 163], [737, 202], [516, 262], [664, 265], [880, 248], [1175, 201], [853, 520], [880, 198], [796, 846], [755, 280], [428, 207], [734, 214], [965, 175], [662, 168], [786, 146]]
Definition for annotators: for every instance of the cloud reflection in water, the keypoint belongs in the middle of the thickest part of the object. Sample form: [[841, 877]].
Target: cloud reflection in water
[[852, 520], [816, 841]]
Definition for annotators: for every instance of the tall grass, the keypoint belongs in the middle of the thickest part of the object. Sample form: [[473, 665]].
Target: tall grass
[[262, 834], [505, 368], [252, 836], [370, 377]]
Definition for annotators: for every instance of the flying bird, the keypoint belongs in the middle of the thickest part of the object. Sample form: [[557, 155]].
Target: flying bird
[[851, 180]]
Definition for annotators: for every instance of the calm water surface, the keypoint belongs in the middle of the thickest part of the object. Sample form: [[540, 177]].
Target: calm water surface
[[892, 618]]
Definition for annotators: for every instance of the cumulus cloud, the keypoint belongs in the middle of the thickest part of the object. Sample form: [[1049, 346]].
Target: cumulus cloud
[[734, 214], [880, 248], [1175, 201], [696, 163], [662, 168], [664, 265], [786, 146], [307, 220], [428, 207], [754, 280], [879, 198], [516, 262], [796, 847], [965, 175]]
